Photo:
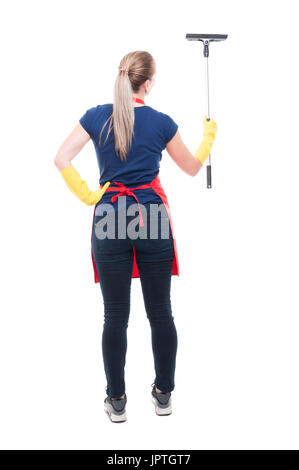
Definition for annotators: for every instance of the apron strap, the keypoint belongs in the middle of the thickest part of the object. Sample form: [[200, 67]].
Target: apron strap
[[124, 191]]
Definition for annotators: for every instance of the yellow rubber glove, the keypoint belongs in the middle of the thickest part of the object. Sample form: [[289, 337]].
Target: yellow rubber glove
[[210, 129], [80, 188]]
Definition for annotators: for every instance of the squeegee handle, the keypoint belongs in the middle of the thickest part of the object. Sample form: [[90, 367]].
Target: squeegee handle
[[209, 169], [209, 176]]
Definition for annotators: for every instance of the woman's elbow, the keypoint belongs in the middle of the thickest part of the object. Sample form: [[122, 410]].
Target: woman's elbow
[[60, 162], [57, 162], [195, 169], [194, 173]]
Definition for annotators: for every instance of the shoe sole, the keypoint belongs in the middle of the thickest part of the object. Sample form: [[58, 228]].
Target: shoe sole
[[121, 418], [161, 411]]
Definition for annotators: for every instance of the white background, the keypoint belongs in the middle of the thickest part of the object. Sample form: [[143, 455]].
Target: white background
[[235, 303]]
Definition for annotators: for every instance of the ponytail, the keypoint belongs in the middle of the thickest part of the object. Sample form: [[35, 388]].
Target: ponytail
[[135, 68]]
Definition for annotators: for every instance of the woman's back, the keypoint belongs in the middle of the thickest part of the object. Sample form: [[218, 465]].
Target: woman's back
[[152, 131]]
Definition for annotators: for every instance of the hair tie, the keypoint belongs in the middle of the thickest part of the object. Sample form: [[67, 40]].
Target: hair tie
[[123, 69]]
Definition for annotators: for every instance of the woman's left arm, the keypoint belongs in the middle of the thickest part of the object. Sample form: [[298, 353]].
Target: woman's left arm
[[66, 152]]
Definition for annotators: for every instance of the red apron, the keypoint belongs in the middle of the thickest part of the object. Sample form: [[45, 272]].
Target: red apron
[[123, 190]]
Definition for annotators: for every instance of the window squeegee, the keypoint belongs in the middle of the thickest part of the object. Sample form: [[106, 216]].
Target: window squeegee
[[206, 39]]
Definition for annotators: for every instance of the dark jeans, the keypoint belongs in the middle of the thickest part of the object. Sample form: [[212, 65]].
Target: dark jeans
[[114, 262]]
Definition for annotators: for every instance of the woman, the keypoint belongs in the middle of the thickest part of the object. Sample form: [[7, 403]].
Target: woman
[[129, 137]]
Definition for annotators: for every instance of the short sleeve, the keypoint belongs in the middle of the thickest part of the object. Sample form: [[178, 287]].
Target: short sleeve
[[88, 120], [170, 128]]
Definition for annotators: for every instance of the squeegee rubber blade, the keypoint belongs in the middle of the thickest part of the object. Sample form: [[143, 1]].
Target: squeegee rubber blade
[[202, 37]]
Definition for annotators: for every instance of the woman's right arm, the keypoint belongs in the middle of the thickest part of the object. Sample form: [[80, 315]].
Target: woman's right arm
[[181, 155]]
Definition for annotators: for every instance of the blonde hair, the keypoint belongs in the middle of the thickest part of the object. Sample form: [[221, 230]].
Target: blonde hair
[[141, 67]]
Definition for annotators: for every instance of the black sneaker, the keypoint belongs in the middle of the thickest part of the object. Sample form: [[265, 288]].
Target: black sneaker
[[162, 402], [116, 409]]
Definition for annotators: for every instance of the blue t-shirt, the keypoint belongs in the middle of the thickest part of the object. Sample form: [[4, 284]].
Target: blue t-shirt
[[152, 131]]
